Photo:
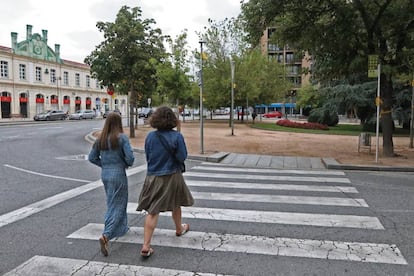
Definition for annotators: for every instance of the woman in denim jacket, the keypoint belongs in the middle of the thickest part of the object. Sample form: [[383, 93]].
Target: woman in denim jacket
[[164, 187], [113, 153]]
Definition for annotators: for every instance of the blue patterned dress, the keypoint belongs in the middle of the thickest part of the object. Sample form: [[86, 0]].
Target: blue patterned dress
[[113, 164]]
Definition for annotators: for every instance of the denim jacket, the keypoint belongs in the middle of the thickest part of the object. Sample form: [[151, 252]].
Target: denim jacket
[[159, 160], [122, 157]]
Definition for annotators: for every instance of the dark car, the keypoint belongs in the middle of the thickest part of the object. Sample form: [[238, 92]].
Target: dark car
[[50, 115], [273, 114], [109, 111], [145, 112]]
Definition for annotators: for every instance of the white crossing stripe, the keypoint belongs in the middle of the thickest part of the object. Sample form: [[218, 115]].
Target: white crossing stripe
[[306, 248], [310, 219], [287, 199], [218, 167], [260, 186], [42, 265], [268, 177]]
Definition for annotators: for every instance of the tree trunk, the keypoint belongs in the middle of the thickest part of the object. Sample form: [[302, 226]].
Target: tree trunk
[[132, 100], [386, 115]]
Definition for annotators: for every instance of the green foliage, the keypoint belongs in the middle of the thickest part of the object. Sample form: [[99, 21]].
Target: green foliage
[[339, 35], [173, 81], [257, 79], [127, 57], [123, 59], [309, 95], [326, 115]]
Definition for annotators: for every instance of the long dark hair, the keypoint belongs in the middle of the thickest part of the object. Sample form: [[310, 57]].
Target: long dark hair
[[111, 130], [163, 118]]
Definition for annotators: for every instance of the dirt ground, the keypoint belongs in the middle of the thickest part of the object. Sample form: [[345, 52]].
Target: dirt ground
[[217, 138]]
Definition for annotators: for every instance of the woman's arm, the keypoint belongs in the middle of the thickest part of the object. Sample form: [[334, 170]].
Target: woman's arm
[[128, 153], [95, 155]]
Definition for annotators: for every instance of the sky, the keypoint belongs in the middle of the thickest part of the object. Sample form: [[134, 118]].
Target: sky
[[72, 24]]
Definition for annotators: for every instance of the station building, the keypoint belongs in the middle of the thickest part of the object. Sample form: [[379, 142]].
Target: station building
[[34, 78]]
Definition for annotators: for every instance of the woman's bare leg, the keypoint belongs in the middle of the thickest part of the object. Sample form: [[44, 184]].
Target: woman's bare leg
[[176, 216], [149, 227]]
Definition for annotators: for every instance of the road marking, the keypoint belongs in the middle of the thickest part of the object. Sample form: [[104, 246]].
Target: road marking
[[306, 248], [219, 167], [311, 200], [42, 265], [46, 175], [41, 205], [268, 177], [256, 186], [293, 218]]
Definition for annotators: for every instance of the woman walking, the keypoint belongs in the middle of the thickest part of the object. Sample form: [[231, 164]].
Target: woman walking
[[164, 187], [113, 153]]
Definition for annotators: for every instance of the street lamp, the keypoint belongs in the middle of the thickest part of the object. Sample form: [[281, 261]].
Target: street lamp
[[232, 97], [412, 114], [201, 99]]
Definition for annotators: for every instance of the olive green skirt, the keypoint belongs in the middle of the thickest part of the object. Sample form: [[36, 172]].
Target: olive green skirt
[[164, 193]]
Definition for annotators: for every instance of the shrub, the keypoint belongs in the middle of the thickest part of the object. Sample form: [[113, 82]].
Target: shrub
[[307, 125], [324, 115]]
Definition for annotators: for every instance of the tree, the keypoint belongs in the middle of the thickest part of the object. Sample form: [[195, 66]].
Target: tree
[[340, 35], [172, 72], [258, 79], [126, 58]]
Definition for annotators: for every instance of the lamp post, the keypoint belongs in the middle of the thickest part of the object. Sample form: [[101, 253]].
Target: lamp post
[[201, 100], [232, 97], [412, 114]]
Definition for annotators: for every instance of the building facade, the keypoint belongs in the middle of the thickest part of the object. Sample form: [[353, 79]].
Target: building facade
[[294, 62], [34, 78], [297, 67]]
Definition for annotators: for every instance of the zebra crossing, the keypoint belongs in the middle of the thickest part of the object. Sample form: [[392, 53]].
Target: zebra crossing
[[233, 187]]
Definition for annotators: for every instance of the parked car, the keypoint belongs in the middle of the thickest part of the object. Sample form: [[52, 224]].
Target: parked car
[[186, 113], [82, 114], [105, 114], [50, 115], [273, 114], [241, 113], [145, 112]]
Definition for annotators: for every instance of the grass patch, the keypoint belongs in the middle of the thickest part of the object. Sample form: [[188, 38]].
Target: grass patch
[[340, 129]]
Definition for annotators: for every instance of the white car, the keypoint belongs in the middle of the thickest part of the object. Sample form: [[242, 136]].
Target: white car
[[82, 114]]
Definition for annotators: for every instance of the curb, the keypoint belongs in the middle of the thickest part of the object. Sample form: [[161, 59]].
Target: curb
[[331, 163]]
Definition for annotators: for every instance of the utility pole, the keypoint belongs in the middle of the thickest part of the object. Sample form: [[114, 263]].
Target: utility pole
[[232, 97], [201, 100], [412, 114]]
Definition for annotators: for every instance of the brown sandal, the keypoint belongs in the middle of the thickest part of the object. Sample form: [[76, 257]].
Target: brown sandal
[[147, 253], [184, 229], [104, 243]]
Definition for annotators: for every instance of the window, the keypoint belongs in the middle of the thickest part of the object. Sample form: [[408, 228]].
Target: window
[[38, 73], [88, 81], [22, 71], [97, 84], [289, 57], [52, 75], [65, 78], [4, 69], [77, 79]]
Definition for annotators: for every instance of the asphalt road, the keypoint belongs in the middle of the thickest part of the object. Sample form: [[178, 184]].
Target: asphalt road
[[245, 221]]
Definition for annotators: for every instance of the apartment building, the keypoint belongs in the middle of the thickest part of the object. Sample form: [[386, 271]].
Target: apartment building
[[34, 78], [293, 61]]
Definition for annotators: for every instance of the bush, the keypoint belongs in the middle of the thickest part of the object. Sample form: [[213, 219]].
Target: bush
[[324, 115], [288, 123]]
